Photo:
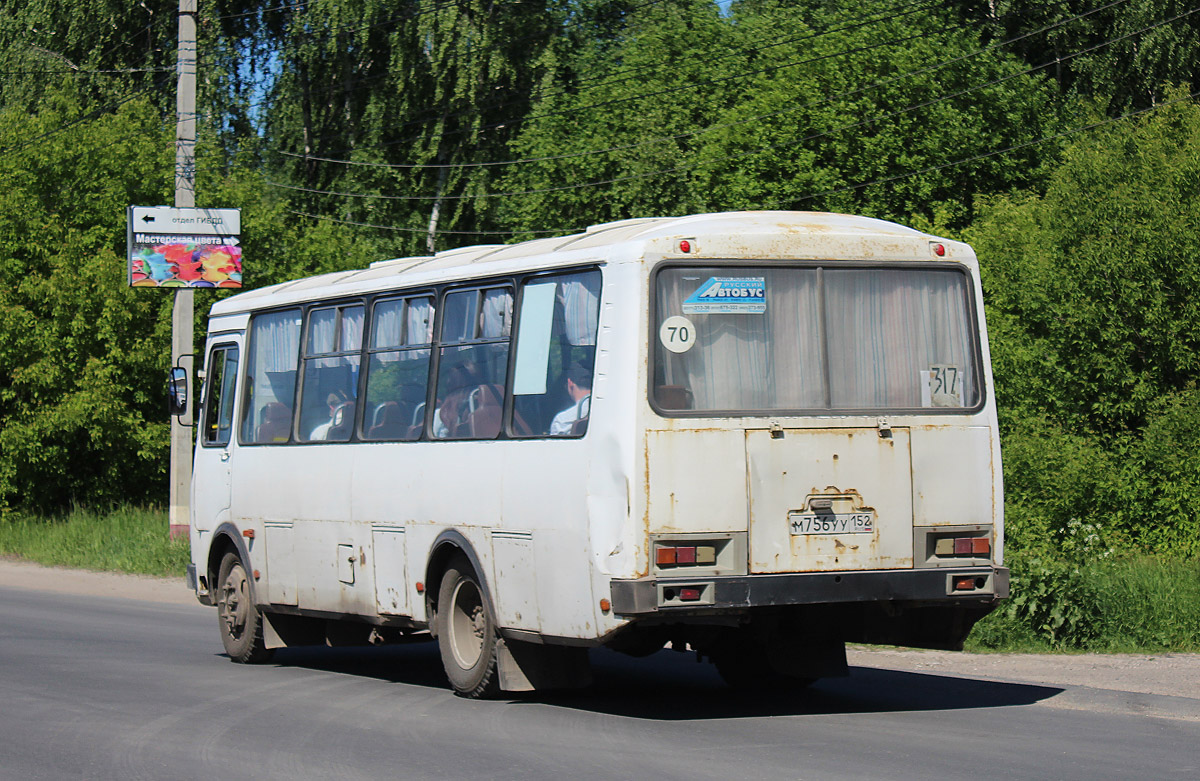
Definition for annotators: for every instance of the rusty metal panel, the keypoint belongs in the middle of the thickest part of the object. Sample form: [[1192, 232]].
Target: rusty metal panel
[[697, 480], [278, 539], [515, 572], [953, 480], [391, 577], [846, 475]]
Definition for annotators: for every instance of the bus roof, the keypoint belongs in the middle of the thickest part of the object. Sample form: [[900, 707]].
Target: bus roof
[[595, 243]]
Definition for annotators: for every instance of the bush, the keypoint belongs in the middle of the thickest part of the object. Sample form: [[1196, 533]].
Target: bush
[[1097, 603]]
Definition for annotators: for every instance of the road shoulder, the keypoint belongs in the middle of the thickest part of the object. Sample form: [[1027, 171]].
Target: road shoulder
[[19, 573], [1161, 685]]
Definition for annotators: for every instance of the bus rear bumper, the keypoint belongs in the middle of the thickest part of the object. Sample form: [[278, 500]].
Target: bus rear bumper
[[942, 586]]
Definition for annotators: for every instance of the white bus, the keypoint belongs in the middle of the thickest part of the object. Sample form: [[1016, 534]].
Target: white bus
[[755, 435]]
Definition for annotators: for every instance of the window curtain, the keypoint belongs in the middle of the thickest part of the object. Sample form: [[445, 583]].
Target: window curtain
[[831, 338]]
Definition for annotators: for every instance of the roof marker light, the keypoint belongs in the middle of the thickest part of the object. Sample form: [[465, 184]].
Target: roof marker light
[[939, 250], [685, 246]]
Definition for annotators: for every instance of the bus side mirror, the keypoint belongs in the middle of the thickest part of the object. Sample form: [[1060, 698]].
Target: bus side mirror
[[177, 391]]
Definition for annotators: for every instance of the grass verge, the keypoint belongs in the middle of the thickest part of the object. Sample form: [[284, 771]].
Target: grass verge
[[1130, 604], [124, 539]]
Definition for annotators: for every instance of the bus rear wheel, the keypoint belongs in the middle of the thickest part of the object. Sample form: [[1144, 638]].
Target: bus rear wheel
[[241, 622], [466, 631]]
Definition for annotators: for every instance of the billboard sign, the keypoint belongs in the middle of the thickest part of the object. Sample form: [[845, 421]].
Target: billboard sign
[[170, 247]]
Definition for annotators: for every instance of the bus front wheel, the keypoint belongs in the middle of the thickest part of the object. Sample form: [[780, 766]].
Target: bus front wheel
[[466, 631], [241, 622]]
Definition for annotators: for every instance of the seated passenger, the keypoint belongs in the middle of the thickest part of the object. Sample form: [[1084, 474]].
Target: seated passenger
[[579, 388], [276, 423], [336, 402], [450, 416]]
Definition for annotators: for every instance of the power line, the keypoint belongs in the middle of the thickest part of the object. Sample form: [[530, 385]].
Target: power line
[[984, 155], [88, 72], [913, 8], [793, 202], [708, 58], [453, 62], [577, 109], [719, 126], [90, 115], [426, 230], [287, 7], [691, 86], [756, 150]]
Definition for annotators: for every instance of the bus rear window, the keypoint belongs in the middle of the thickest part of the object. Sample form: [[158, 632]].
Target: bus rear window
[[762, 340]]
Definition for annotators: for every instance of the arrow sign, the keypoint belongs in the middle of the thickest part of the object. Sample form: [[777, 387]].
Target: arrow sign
[[216, 222], [175, 247]]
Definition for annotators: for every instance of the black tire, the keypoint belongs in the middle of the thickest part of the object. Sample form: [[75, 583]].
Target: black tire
[[241, 622], [466, 632]]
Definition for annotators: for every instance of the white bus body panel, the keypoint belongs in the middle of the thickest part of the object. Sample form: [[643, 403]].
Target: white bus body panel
[[348, 529]]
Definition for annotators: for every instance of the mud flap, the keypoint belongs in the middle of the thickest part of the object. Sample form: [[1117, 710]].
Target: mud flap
[[525, 667], [280, 631]]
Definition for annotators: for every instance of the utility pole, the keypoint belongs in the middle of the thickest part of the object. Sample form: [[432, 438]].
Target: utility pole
[[181, 314]]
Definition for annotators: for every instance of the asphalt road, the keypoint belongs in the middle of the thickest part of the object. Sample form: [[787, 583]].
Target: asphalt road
[[109, 688]]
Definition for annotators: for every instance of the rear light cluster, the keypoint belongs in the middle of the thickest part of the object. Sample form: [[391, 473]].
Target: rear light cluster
[[691, 555], [963, 547], [666, 556], [969, 583], [685, 594]]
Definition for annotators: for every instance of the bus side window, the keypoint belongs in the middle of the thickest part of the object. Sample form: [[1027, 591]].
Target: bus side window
[[218, 405], [556, 353], [398, 368], [472, 363], [270, 390], [329, 385]]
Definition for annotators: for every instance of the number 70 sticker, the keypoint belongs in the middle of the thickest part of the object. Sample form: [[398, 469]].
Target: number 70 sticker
[[677, 334]]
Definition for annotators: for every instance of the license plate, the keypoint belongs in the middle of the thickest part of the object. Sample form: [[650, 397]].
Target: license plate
[[831, 523]]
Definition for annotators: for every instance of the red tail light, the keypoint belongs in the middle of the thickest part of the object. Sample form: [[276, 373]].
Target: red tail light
[[963, 547], [692, 555]]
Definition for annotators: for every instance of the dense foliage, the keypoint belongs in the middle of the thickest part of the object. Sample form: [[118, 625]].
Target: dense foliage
[[1059, 137], [1096, 336]]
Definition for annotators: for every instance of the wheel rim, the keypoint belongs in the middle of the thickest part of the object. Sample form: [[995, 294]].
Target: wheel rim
[[468, 624], [235, 601]]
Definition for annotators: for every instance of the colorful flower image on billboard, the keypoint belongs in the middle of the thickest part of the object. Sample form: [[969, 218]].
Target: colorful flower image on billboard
[[186, 265]]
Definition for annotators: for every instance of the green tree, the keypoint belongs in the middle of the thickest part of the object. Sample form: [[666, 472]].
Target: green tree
[[109, 50], [81, 354], [1119, 54], [1095, 329], [781, 105], [415, 95]]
